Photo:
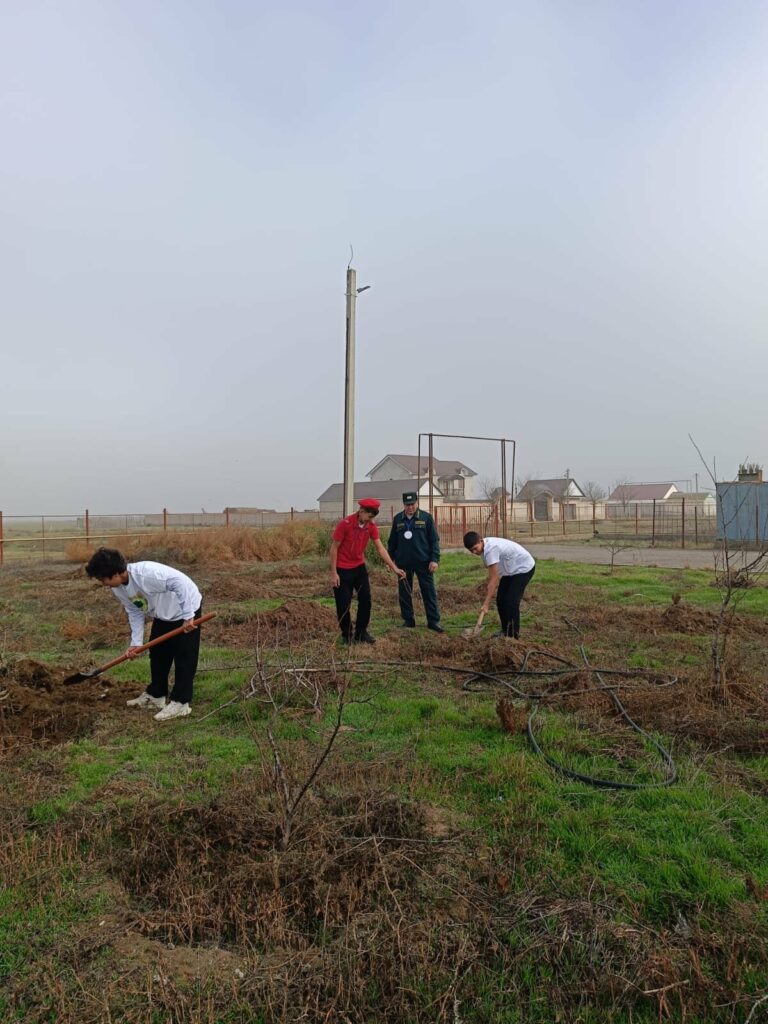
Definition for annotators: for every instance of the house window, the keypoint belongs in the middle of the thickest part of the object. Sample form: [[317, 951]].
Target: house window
[[453, 487]]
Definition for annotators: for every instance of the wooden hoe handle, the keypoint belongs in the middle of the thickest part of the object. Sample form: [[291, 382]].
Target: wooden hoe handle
[[156, 641]]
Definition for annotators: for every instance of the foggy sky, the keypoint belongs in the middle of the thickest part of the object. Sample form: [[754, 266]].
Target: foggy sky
[[561, 210]]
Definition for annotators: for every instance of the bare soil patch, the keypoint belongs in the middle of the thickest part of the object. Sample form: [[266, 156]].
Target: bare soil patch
[[37, 709]]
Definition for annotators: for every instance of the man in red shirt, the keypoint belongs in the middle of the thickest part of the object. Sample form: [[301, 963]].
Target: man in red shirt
[[348, 571]]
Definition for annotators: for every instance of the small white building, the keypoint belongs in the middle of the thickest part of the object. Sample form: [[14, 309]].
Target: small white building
[[703, 502], [628, 500]]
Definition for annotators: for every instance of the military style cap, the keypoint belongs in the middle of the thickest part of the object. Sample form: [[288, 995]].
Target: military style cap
[[409, 497], [369, 504]]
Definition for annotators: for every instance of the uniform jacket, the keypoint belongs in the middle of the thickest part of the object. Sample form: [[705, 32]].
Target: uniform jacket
[[423, 547]]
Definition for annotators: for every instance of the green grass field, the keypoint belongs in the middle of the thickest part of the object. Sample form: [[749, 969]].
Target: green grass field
[[437, 869]]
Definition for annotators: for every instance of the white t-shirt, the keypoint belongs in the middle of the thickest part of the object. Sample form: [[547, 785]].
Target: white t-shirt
[[511, 558], [171, 596]]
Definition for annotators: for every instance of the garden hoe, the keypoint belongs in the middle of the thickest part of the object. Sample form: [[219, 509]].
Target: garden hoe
[[475, 630], [80, 677]]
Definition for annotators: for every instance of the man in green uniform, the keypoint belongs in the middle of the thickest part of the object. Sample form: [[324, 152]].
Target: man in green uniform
[[415, 546]]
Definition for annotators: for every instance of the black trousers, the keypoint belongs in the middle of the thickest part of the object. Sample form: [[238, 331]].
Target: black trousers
[[428, 593], [353, 581], [181, 652], [508, 598]]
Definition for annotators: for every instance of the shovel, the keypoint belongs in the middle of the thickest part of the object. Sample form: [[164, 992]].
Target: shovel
[[474, 630], [80, 677]]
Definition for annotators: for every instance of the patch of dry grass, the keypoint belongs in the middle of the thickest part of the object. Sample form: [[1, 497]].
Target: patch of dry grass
[[224, 544]]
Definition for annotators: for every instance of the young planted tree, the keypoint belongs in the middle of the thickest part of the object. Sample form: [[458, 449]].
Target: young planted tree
[[491, 495], [297, 691]]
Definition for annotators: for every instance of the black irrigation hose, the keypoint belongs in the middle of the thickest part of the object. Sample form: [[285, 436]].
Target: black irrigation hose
[[607, 783], [495, 678]]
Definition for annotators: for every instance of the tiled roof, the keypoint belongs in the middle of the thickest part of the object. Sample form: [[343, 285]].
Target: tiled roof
[[384, 490], [442, 467], [558, 488], [641, 492]]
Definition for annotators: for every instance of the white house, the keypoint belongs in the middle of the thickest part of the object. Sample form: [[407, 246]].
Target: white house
[[388, 492], [631, 500], [450, 477]]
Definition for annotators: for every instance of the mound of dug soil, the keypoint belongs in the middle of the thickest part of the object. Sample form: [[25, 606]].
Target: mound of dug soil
[[37, 709]]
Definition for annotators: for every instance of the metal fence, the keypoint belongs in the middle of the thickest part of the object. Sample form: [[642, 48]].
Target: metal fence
[[46, 537], [651, 523]]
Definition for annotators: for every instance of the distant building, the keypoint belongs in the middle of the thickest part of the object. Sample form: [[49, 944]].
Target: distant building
[[703, 503], [634, 500], [556, 499], [388, 492], [450, 476], [742, 509]]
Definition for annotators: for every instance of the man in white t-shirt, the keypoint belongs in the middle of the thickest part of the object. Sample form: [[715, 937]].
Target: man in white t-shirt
[[510, 569], [173, 601]]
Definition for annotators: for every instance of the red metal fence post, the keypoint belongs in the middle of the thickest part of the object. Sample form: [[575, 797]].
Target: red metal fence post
[[463, 520], [653, 525]]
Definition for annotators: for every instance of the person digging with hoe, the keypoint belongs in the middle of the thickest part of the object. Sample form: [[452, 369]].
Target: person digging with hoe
[[414, 544], [173, 601], [510, 570], [349, 574]]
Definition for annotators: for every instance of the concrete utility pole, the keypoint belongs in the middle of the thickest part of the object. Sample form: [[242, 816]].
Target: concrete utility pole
[[349, 397], [349, 394]]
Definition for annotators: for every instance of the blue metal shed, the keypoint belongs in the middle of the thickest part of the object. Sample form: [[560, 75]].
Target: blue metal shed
[[742, 513]]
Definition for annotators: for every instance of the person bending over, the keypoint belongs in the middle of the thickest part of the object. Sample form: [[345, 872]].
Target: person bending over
[[173, 600], [510, 570]]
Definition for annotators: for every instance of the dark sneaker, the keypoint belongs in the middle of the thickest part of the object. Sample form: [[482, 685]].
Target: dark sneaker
[[437, 628], [407, 625], [366, 638]]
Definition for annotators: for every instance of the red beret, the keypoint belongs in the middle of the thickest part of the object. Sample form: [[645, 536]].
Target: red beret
[[369, 504]]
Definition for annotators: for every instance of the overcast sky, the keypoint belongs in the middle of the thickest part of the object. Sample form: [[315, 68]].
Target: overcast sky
[[561, 209]]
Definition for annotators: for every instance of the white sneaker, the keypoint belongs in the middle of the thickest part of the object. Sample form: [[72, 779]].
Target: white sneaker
[[146, 700], [173, 710]]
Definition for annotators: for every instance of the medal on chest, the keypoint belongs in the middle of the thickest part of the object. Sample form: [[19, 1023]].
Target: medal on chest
[[408, 534]]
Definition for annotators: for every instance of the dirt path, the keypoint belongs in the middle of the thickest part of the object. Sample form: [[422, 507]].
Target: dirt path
[[670, 558]]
